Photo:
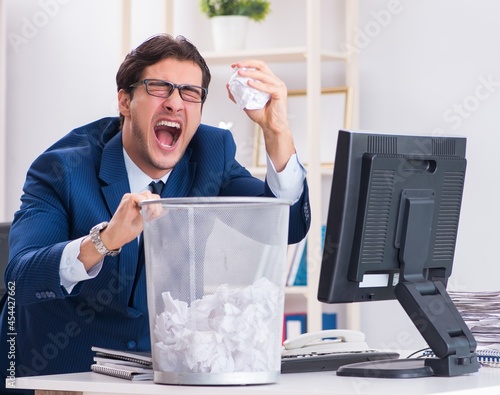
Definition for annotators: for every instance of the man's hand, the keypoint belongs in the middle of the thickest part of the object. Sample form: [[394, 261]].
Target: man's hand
[[273, 118], [125, 226]]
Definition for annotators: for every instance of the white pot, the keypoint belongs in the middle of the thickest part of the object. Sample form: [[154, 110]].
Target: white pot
[[229, 32]]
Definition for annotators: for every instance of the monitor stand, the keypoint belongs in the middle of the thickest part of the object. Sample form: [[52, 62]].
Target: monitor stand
[[427, 304], [395, 368], [441, 325]]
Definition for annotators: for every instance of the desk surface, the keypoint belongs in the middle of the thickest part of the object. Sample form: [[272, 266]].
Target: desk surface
[[486, 381]]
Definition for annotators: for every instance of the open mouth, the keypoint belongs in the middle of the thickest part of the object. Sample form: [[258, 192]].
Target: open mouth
[[167, 133]]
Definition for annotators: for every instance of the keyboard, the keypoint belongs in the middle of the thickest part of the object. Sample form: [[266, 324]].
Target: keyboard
[[317, 362]]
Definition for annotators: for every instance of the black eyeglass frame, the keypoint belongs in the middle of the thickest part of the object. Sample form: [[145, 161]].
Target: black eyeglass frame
[[173, 86]]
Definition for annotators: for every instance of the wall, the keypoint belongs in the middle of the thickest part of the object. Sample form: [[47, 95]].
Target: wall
[[61, 60], [433, 67], [62, 57]]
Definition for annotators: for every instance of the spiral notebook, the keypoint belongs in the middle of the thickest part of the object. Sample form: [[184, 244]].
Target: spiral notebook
[[143, 358], [488, 357], [123, 371], [485, 356]]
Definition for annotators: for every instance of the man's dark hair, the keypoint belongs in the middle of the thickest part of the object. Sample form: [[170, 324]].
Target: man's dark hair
[[156, 48]]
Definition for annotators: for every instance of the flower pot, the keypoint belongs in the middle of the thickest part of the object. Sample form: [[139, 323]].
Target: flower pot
[[229, 32]]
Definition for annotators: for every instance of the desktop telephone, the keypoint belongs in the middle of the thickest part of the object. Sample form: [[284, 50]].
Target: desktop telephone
[[327, 350], [325, 342]]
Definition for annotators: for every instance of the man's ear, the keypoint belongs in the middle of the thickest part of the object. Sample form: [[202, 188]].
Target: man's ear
[[124, 102]]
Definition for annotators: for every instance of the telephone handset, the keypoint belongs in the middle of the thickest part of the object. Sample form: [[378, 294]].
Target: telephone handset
[[325, 342]]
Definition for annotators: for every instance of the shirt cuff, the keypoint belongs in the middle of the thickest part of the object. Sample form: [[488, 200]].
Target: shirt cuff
[[71, 270], [289, 183]]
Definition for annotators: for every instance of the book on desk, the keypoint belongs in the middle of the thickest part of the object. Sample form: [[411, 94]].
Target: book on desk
[[123, 364]]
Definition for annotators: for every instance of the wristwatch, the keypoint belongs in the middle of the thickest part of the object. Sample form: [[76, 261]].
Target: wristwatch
[[95, 236]]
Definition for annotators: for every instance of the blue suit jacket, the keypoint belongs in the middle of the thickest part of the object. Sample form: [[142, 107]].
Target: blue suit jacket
[[75, 184]]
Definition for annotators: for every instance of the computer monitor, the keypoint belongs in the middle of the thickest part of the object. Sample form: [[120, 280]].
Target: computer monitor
[[390, 234], [4, 253]]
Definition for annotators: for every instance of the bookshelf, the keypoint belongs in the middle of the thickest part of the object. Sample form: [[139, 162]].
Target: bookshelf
[[313, 56]]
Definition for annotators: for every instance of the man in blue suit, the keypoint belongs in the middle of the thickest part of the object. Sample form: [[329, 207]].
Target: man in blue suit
[[74, 289]]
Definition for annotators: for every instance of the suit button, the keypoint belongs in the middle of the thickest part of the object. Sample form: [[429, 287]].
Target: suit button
[[131, 345], [306, 211]]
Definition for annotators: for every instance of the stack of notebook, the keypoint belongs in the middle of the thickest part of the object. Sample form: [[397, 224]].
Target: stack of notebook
[[481, 313], [122, 364]]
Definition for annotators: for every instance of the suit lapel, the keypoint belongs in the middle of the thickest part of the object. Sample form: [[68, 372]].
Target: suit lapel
[[180, 181], [113, 175]]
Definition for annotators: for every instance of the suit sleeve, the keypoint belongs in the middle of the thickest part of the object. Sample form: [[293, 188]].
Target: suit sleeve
[[239, 182], [39, 232]]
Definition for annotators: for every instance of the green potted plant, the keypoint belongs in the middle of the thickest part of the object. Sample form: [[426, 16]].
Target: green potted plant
[[230, 19], [256, 10]]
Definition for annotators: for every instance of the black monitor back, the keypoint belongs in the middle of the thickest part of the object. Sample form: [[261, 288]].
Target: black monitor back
[[374, 175]]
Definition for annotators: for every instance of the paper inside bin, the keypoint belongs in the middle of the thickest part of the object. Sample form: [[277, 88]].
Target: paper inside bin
[[231, 330]]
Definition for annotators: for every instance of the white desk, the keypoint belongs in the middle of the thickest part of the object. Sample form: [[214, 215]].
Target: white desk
[[487, 381]]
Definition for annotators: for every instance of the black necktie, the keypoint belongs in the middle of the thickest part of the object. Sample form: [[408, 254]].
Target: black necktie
[[156, 187]]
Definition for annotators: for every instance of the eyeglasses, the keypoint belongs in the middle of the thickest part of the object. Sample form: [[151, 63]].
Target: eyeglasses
[[161, 88]]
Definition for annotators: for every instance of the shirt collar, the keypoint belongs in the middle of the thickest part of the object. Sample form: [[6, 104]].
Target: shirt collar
[[137, 179]]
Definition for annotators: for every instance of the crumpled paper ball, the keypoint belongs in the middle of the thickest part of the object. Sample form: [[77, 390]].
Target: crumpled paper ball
[[246, 96]]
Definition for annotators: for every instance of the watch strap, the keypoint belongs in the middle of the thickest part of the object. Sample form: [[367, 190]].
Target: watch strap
[[95, 236]]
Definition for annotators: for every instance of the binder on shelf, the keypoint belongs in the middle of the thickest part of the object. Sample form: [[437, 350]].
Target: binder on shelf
[[294, 325], [298, 252], [297, 275], [301, 276], [329, 321]]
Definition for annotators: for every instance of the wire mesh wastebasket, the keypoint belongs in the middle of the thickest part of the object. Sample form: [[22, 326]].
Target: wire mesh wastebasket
[[215, 272]]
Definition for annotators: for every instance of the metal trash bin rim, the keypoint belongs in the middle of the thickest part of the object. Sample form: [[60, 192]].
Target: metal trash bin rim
[[208, 201]]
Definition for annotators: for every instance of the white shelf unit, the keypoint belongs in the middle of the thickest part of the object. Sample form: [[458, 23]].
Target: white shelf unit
[[289, 54], [313, 55]]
